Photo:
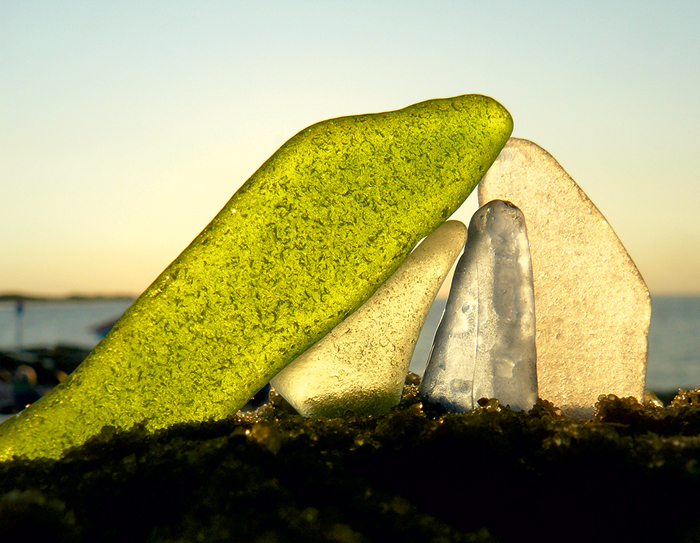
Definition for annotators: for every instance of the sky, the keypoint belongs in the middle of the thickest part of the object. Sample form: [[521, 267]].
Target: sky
[[126, 126]]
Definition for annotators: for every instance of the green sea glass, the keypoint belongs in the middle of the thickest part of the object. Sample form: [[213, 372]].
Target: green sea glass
[[303, 243]]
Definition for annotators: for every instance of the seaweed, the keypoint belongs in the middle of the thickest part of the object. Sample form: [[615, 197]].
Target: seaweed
[[417, 473]]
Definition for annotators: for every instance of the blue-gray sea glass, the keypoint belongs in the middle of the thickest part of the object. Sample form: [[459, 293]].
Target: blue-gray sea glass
[[484, 346]]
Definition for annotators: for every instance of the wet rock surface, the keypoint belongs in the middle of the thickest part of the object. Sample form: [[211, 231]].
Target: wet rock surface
[[413, 474]]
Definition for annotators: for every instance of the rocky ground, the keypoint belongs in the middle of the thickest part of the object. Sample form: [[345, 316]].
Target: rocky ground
[[28, 374], [414, 474]]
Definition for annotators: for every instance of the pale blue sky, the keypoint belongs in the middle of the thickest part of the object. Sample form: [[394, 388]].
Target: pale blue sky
[[125, 126]]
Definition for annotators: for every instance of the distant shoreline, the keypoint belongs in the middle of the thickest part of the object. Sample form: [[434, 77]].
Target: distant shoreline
[[14, 297]]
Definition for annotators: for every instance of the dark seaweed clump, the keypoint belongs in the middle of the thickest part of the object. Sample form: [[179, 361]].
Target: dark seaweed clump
[[415, 474]]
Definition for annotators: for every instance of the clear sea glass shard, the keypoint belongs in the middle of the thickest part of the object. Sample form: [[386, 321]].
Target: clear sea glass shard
[[592, 305], [484, 346], [362, 363]]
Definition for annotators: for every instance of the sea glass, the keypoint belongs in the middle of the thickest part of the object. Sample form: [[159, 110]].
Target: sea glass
[[303, 243], [484, 346], [361, 365], [592, 305]]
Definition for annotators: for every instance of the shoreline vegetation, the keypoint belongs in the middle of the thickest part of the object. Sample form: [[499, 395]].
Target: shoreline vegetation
[[416, 473]]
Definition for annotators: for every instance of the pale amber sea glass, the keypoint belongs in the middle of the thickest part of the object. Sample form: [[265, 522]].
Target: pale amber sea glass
[[593, 307], [303, 243]]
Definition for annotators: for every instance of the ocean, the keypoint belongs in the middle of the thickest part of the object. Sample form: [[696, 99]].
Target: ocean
[[674, 336]]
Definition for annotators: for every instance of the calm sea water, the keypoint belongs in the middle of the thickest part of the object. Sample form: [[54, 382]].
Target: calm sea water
[[49, 323], [674, 337]]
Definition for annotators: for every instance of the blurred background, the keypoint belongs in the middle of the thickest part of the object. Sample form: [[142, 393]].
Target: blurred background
[[126, 126]]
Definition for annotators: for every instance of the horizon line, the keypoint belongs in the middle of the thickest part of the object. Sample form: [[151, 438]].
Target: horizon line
[[14, 296]]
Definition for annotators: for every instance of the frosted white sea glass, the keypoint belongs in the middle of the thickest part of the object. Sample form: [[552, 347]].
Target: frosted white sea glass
[[362, 363], [484, 346], [592, 305]]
